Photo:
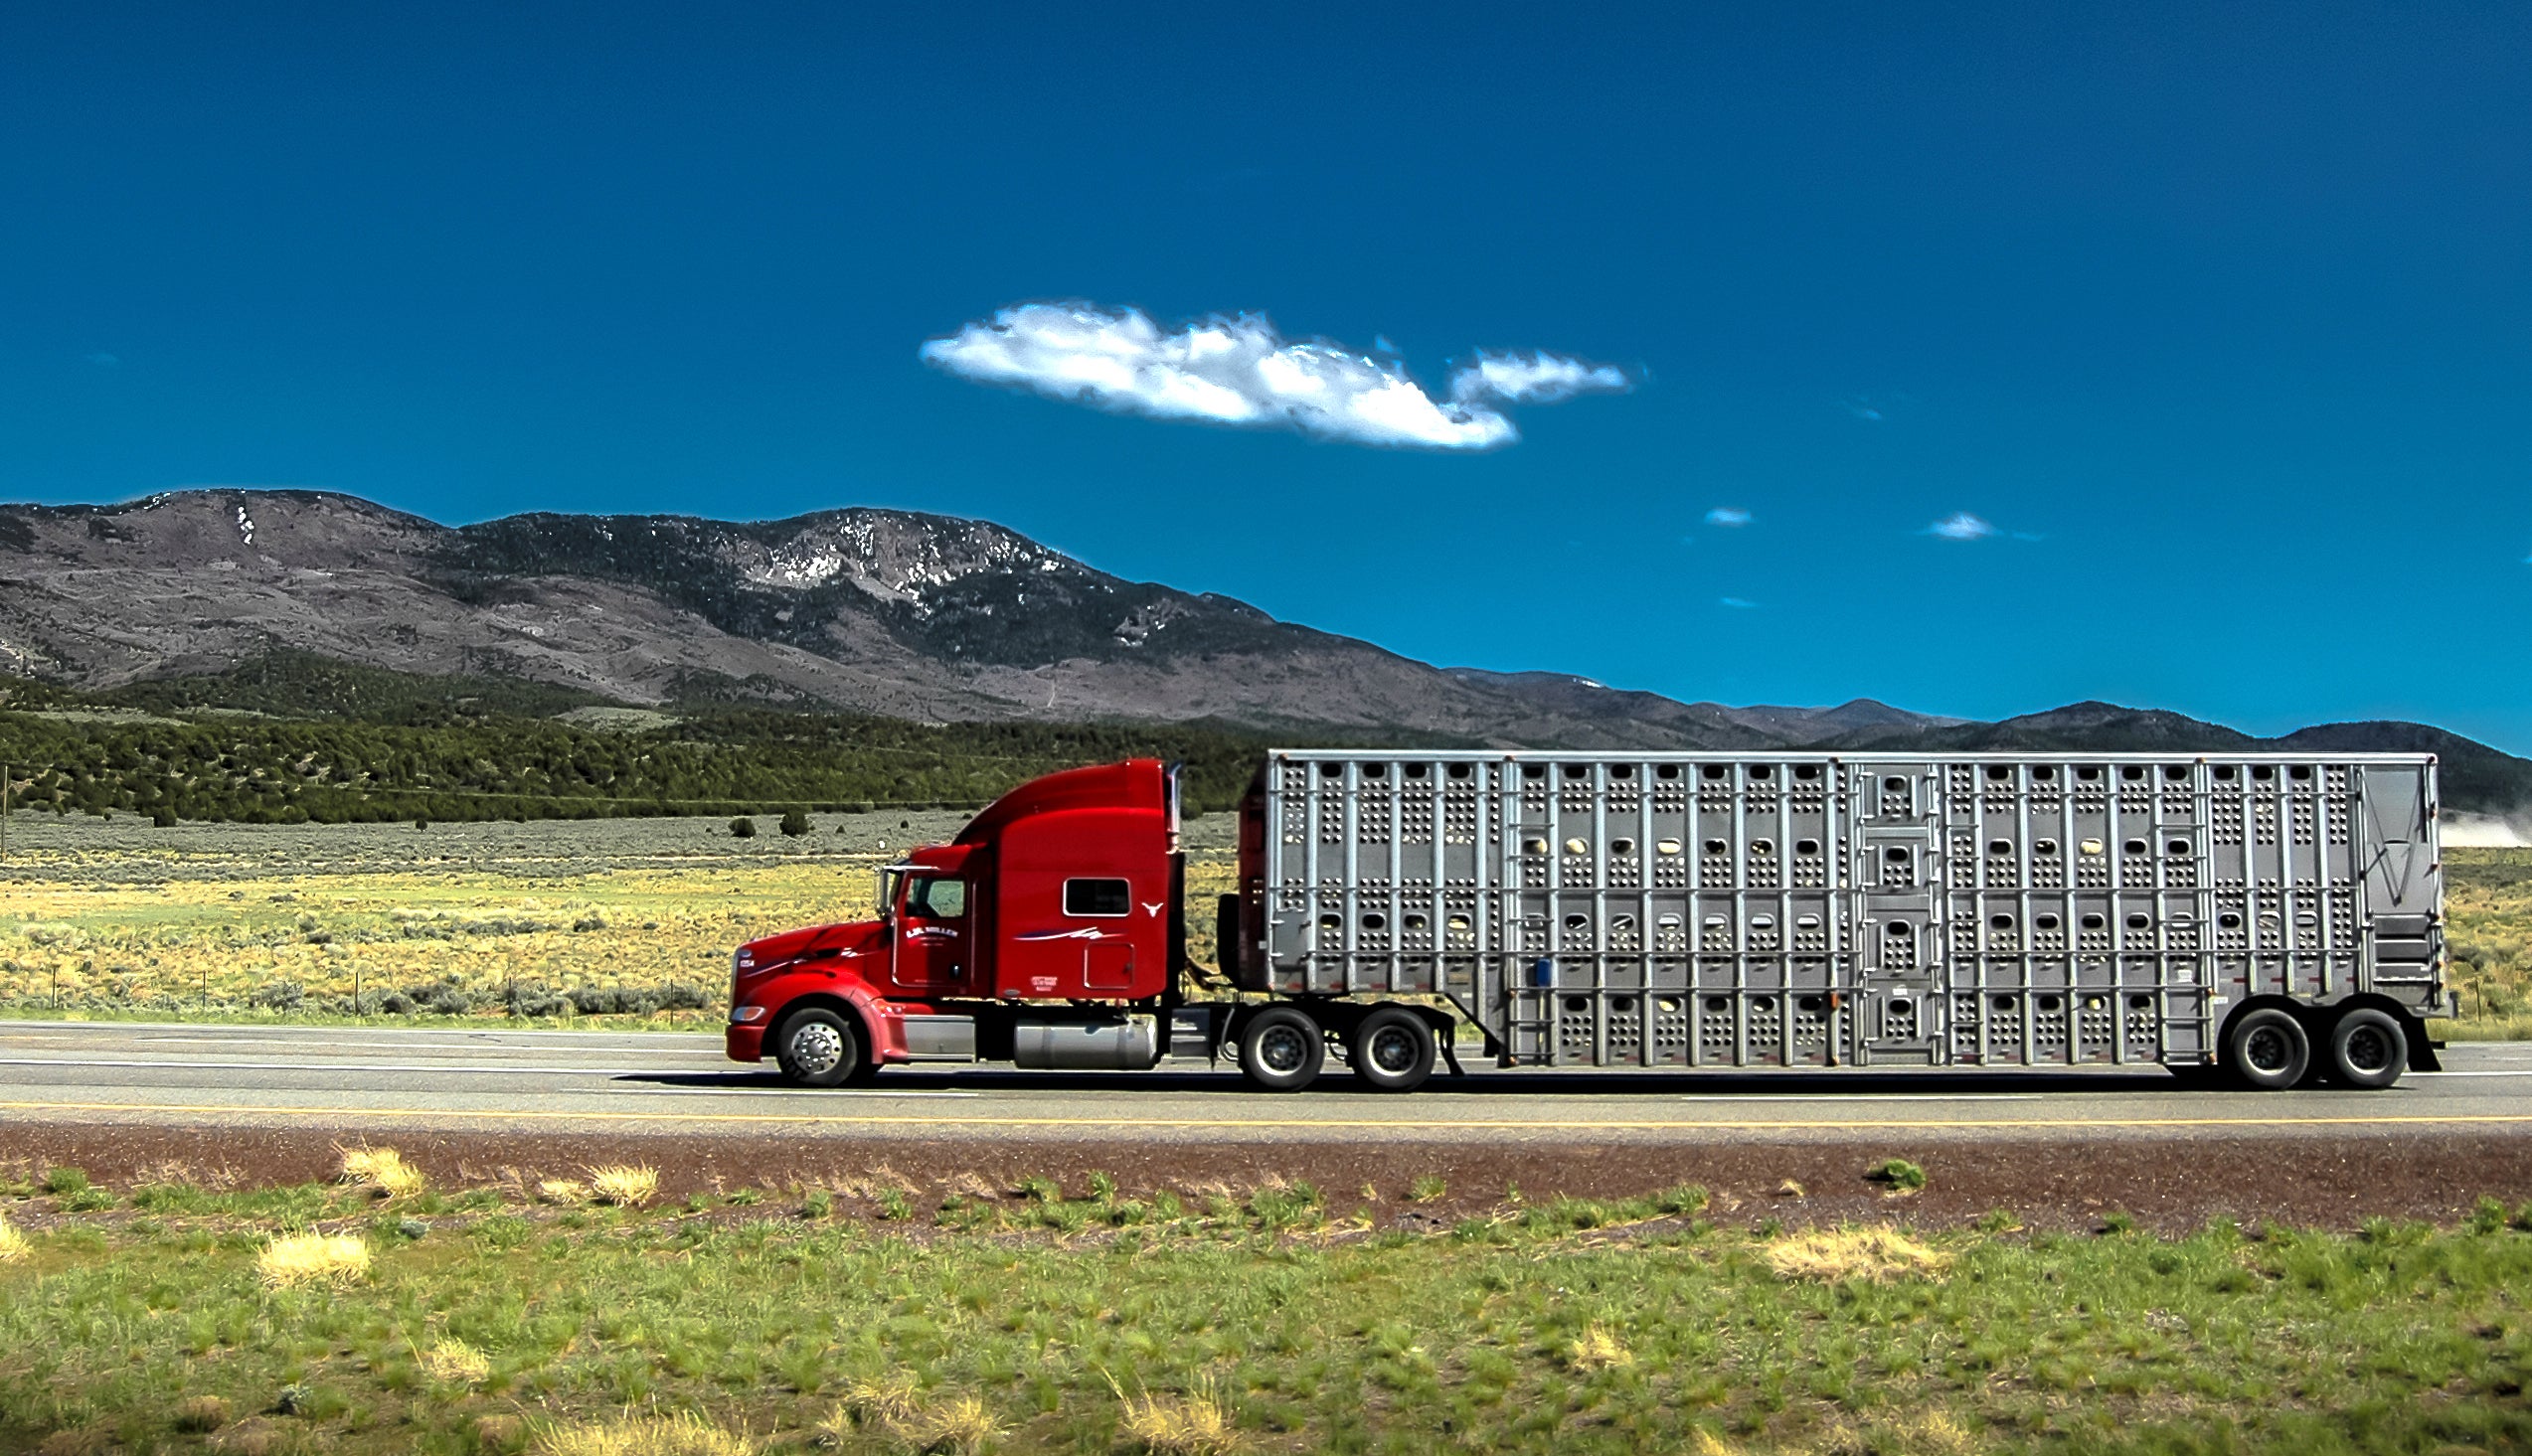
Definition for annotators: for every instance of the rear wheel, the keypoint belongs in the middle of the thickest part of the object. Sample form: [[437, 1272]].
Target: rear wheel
[[1282, 1049], [1392, 1050], [817, 1048], [2268, 1050], [2368, 1049]]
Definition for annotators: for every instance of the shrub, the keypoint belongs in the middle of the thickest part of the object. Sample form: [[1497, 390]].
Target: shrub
[[278, 996], [456, 1362], [743, 826], [794, 824], [1897, 1175], [624, 1185], [312, 1258]]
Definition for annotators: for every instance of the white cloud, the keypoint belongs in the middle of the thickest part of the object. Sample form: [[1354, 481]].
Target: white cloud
[[1960, 526], [1735, 603], [1727, 516], [1240, 371]]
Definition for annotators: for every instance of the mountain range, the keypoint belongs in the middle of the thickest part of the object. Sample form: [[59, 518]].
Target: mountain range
[[898, 613]]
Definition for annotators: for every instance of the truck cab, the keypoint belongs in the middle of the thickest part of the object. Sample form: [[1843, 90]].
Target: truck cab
[[1050, 932]]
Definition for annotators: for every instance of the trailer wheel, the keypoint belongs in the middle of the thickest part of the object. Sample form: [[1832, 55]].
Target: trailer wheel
[[2268, 1050], [2368, 1049], [818, 1048], [1392, 1050], [1282, 1049]]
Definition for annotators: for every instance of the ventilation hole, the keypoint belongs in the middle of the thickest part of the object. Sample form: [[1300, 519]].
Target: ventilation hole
[[1578, 1003], [1666, 771], [1999, 773], [2178, 846], [2047, 1003], [1456, 923], [1415, 770], [2091, 847], [1621, 1003], [1416, 924], [2043, 847], [1717, 1005], [1534, 847], [1668, 846], [1999, 847], [1376, 922], [2132, 773], [1899, 930], [2176, 772], [2300, 770], [1533, 770], [1457, 771], [1621, 770], [1717, 847], [1577, 922], [1896, 856], [1807, 770], [2140, 1002], [2089, 772], [2094, 922], [1331, 923], [1666, 1005], [1761, 770], [1896, 785], [1807, 1002], [2000, 922], [2044, 774], [2045, 922], [1577, 846], [1715, 770], [2004, 1003], [1621, 847], [2229, 921], [2224, 771], [1806, 847], [2141, 923], [1762, 1005], [1762, 846], [2134, 847], [1576, 770], [1806, 922], [1331, 770], [1375, 770], [2263, 771]]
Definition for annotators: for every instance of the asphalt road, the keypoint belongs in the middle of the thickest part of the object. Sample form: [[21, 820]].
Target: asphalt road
[[441, 1080]]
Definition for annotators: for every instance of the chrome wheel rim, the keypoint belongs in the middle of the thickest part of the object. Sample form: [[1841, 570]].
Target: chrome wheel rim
[[816, 1047], [1392, 1051], [1283, 1049]]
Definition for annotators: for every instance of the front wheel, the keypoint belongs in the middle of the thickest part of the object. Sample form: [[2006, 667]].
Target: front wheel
[[2367, 1050], [817, 1048], [1392, 1050], [2268, 1050], [1282, 1049]]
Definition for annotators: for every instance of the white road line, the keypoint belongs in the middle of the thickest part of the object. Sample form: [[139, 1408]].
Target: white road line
[[403, 1046], [1845, 1097], [448, 1066], [2525, 1073]]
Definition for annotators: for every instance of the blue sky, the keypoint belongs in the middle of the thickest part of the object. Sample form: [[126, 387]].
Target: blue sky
[[2215, 322]]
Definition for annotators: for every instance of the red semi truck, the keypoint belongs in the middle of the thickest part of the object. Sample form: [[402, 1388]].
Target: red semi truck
[[2275, 915]]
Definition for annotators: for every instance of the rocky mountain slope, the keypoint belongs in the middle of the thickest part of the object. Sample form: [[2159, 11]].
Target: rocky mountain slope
[[898, 613]]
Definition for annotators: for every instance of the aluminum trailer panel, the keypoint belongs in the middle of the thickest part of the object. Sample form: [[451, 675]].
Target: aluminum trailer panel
[[1738, 909]]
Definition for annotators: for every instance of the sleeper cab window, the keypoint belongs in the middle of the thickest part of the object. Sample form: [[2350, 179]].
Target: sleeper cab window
[[1097, 897]]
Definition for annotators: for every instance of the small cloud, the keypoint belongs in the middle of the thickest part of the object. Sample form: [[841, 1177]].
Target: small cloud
[[1865, 412], [1960, 526], [1239, 371], [1727, 516], [1381, 344], [103, 359], [1735, 603]]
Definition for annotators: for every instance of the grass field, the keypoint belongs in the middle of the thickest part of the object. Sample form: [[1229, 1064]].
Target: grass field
[[633, 919], [1271, 1319], [629, 919]]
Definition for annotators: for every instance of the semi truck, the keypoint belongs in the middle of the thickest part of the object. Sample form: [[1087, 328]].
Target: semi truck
[[2271, 919]]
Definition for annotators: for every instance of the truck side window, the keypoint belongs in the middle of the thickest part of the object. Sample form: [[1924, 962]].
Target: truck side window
[[936, 899], [1097, 897]]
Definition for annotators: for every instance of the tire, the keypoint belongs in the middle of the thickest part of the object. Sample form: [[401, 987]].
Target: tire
[[2268, 1050], [817, 1048], [2368, 1049], [1392, 1050], [1282, 1049]]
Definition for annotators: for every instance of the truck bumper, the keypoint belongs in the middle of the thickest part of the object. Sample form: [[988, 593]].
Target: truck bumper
[[744, 1042]]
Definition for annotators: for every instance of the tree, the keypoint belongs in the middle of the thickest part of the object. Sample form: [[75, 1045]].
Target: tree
[[794, 824]]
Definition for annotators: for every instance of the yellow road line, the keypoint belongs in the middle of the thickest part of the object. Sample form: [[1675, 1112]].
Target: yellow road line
[[1291, 1123]]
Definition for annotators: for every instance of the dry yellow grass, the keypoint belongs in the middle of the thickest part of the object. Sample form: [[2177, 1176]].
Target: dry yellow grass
[[382, 1168], [682, 1435], [893, 1397], [961, 1424], [1877, 1255], [13, 1244], [1194, 1424], [1703, 1442], [456, 1362], [624, 1185], [1598, 1348], [564, 1191], [312, 1258]]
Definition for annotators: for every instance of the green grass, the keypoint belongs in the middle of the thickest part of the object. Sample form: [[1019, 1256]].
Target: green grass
[[1556, 1324]]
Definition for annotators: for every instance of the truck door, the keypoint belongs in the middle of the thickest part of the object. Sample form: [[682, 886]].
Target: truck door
[[933, 943], [1897, 1014]]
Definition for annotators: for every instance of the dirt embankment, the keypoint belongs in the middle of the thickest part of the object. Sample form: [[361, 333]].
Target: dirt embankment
[[2172, 1186]]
